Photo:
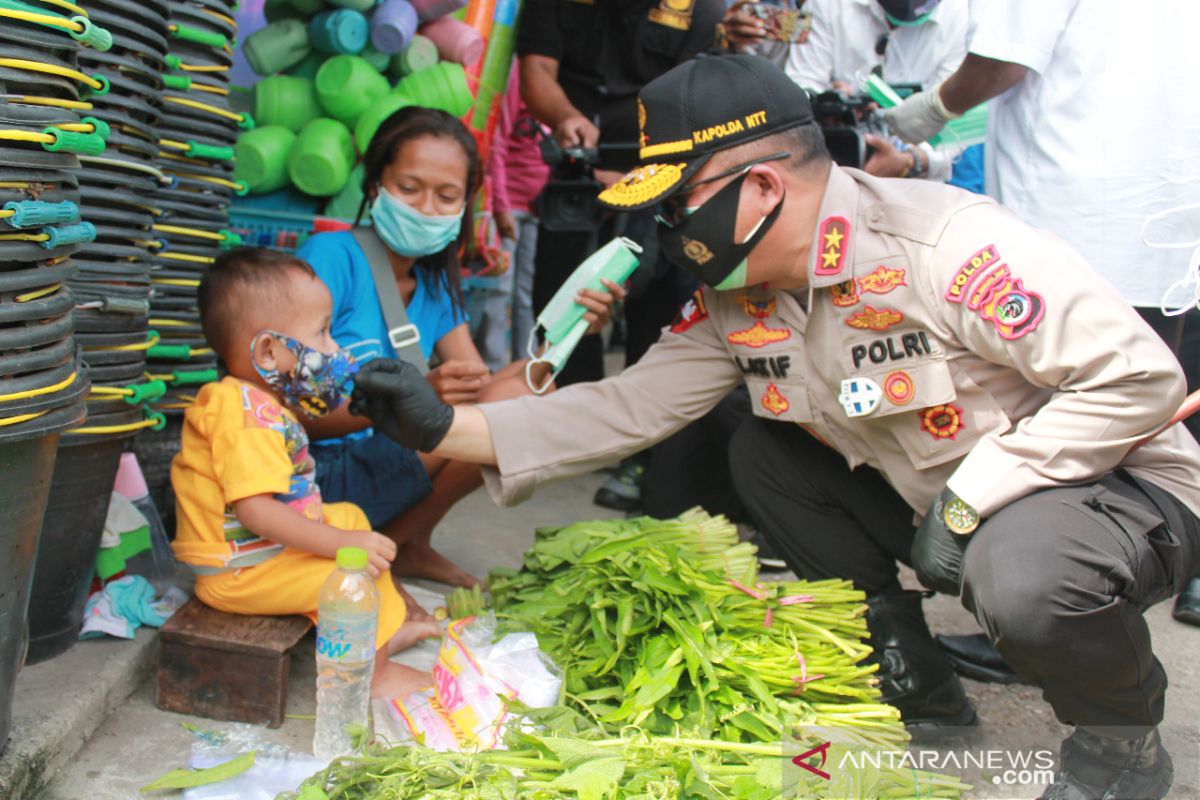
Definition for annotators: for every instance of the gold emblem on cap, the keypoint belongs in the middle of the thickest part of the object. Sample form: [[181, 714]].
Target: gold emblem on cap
[[642, 138], [643, 185], [696, 250]]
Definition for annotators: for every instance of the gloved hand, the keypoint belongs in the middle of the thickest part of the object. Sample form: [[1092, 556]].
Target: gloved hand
[[937, 551], [919, 117], [401, 403]]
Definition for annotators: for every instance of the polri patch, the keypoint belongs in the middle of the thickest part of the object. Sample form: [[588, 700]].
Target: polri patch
[[832, 239], [892, 348], [943, 421], [759, 335]]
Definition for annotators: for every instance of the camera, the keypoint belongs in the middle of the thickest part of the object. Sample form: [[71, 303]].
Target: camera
[[568, 201], [844, 120]]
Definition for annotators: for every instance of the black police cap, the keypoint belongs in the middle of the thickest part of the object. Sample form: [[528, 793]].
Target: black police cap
[[699, 107]]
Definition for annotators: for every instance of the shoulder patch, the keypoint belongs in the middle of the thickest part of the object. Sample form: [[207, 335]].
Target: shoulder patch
[[971, 270], [832, 243]]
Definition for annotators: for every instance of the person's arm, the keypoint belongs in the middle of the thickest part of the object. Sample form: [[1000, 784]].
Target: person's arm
[[978, 80], [271, 519], [549, 104], [922, 115], [810, 64], [576, 430], [1109, 379]]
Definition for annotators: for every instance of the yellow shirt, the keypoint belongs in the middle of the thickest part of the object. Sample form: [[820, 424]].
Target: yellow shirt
[[238, 442]]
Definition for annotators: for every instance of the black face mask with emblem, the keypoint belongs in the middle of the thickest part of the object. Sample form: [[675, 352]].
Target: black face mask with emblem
[[703, 242]]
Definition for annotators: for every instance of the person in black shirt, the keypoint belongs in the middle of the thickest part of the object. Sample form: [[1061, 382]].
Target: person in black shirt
[[582, 63]]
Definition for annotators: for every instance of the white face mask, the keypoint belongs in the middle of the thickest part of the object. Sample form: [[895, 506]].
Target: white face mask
[[1186, 290]]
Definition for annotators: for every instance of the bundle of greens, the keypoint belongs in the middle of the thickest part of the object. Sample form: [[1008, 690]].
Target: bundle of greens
[[569, 758], [663, 626]]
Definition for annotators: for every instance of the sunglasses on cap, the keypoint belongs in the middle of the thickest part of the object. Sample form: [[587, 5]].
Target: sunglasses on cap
[[674, 209]]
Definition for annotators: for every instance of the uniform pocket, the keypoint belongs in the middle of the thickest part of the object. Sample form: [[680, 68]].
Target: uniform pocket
[[1151, 548], [779, 400], [946, 416]]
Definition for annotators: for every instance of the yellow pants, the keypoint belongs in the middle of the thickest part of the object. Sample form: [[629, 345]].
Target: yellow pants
[[290, 582]]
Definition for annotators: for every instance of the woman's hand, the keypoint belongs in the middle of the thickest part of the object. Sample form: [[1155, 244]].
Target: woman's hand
[[381, 550], [458, 381], [599, 304]]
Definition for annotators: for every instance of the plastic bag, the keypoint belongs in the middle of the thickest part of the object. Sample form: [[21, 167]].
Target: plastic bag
[[474, 680], [276, 768]]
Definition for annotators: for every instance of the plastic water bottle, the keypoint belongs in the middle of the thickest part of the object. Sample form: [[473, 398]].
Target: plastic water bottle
[[157, 564], [347, 616]]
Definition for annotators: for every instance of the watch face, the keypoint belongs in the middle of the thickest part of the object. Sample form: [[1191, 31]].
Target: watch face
[[959, 517]]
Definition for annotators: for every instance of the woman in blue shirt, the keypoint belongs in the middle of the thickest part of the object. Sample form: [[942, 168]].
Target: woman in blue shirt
[[422, 174]]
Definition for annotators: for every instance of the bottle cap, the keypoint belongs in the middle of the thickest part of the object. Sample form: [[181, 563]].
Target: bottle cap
[[352, 558]]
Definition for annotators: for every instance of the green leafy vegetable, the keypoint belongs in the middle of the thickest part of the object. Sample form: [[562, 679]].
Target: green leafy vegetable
[[189, 778]]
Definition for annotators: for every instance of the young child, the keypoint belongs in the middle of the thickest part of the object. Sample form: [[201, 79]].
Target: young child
[[251, 522]]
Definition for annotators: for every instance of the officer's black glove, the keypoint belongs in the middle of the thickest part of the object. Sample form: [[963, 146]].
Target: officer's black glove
[[401, 403], [937, 552]]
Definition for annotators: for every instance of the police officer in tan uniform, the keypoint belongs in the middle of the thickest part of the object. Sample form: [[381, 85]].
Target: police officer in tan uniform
[[913, 352]]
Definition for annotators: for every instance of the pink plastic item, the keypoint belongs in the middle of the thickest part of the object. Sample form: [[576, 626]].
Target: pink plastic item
[[130, 481], [456, 41], [428, 10]]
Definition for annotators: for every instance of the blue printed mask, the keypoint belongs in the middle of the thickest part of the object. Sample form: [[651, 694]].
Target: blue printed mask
[[410, 233], [318, 384]]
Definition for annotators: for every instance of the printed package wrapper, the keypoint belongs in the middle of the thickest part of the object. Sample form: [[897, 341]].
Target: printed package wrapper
[[474, 682]]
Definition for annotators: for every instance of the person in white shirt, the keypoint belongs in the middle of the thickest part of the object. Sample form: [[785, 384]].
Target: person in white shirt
[[1091, 130], [908, 41]]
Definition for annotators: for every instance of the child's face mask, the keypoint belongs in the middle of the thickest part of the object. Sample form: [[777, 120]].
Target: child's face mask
[[318, 384]]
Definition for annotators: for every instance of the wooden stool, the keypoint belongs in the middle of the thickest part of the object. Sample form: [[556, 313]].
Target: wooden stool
[[226, 666]]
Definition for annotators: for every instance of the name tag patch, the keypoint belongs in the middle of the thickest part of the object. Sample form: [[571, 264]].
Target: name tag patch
[[892, 348]]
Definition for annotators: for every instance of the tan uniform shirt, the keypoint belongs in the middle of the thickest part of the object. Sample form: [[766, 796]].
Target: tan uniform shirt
[[944, 341]]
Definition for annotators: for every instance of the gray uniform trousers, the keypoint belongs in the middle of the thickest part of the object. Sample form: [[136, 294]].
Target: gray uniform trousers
[[1058, 579]]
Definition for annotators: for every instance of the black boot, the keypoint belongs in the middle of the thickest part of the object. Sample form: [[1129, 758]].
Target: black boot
[[916, 677], [974, 657], [1097, 768], [1187, 605]]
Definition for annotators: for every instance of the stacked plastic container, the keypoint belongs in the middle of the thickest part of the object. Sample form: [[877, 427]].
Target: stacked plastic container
[[43, 126], [328, 85], [112, 292], [196, 137]]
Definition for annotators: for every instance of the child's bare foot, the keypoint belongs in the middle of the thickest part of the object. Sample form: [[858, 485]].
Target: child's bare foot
[[416, 560], [416, 612], [398, 681], [411, 632]]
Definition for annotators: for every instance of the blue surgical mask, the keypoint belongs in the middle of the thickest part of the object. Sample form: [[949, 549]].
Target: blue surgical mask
[[407, 231], [318, 384]]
